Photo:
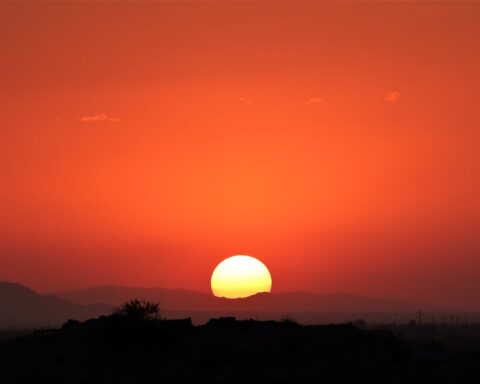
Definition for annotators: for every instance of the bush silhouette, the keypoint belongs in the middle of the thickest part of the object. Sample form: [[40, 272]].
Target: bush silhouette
[[139, 310]]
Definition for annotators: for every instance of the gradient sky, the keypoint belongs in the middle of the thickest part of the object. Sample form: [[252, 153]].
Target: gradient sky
[[140, 144]]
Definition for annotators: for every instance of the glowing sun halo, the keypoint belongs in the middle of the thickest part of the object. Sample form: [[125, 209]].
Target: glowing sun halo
[[240, 276]]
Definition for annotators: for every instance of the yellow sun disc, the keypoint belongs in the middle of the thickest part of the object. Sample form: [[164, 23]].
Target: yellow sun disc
[[240, 276]]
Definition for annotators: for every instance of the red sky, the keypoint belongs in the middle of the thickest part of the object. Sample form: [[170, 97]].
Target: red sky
[[337, 142]]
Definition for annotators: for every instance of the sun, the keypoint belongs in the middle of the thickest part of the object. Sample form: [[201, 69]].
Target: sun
[[240, 276]]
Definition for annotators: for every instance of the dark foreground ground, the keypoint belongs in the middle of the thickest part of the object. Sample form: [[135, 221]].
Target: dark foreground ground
[[118, 350]]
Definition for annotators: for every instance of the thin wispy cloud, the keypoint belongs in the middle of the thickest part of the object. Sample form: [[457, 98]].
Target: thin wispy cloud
[[392, 96], [315, 100], [99, 118]]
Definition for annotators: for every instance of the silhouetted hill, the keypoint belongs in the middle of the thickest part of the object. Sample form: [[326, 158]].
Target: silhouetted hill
[[305, 301], [120, 350], [22, 307], [172, 299], [284, 302]]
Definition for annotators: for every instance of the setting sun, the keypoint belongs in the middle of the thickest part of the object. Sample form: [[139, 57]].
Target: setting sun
[[240, 276]]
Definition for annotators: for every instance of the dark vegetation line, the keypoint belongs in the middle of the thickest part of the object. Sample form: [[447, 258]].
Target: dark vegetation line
[[135, 345]]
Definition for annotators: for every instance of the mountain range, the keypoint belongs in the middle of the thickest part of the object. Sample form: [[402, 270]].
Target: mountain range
[[185, 300], [22, 307]]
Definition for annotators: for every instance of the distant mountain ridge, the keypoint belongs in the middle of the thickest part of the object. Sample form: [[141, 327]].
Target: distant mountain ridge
[[185, 300], [22, 307]]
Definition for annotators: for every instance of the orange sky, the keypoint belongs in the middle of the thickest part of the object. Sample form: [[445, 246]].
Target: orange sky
[[337, 142]]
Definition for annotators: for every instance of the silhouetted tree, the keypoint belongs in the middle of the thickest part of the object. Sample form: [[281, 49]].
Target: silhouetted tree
[[360, 324], [288, 319], [71, 324], [139, 310]]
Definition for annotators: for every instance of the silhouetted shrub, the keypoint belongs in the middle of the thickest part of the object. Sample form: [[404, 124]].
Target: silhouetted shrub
[[360, 324], [288, 319], [71, 324], [139, 310]]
